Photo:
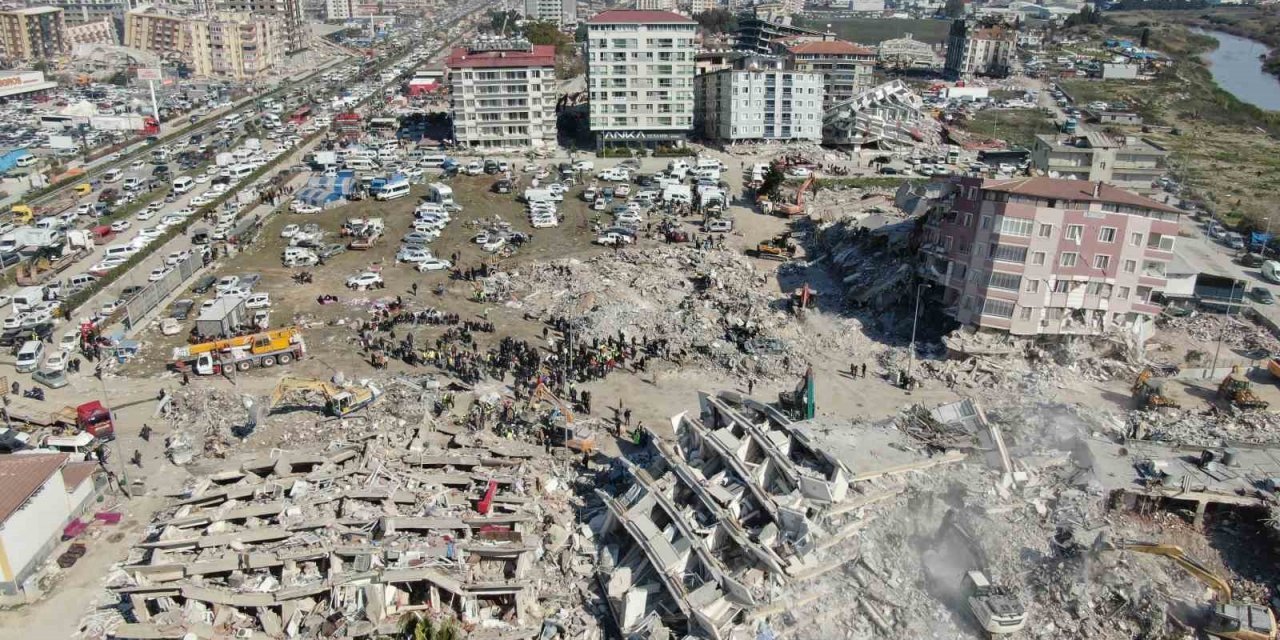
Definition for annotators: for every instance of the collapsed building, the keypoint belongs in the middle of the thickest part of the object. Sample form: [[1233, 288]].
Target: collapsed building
[[888, 115]]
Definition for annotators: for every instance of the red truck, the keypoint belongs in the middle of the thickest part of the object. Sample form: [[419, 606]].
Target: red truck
[[90, 417]]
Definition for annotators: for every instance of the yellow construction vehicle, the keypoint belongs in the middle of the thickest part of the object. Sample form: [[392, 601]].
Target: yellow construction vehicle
[[572, 438], [1237, 391], [1150, 393], [780, 247], [338, 401], [1232, 620]]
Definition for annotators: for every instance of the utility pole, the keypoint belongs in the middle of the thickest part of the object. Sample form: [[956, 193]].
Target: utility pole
[[915, 318], [1222, 334]]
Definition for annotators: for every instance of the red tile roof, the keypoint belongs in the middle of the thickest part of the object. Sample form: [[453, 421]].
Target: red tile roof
[[542, 55], [21, 475], [830, 48], [1082, 190], [615, 16], [76, 472]]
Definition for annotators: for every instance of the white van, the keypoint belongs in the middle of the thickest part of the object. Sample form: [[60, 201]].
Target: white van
[[120, 251], [27, 161], [432, 160], [393, 191], [241, 171], [113, 175], [29, 356], [361, 164], [76, 284], [132, 182], [27, 297], [183, 184]]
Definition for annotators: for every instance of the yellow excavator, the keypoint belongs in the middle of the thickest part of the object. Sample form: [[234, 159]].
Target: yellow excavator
[[572, 439], [338, 401], [1232, 620], [1150, 393], [1237, 391]]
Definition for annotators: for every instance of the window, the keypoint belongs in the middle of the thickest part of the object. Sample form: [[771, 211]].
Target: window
[[1101, 262], [1016, 227], [1007, 281], [1053, 313], [1153, 268], [946, 242], [1160, 242], [986, 222], [1075, 231], [1107, 234], [1062, 286], [963, 248], [1099, 289], [979, 249], [1006, 253], [1037, 258], [1025, 313], [1046, 231], [1068, 259], [997, 308], [1122, 293], [1033, 286], [967, 220], [1135, 239]]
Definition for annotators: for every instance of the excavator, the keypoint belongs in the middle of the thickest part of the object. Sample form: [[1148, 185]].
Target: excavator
[[1231, 620], [788, 209], [572, 438], [779, 247], [1237, 391], [996, 608], [338, 401], [1150, 393], [800, 403]]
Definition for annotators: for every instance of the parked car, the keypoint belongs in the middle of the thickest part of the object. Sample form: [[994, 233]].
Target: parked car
[[204, 284], [365, 281], [1262, 295], [434, 264], [181, 309]]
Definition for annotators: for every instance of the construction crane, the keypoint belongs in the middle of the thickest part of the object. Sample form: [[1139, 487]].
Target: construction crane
[[996, 608], [787, 209], [338, 401], [572, 439], [255, 341], [1232, 620], [1150, 393]]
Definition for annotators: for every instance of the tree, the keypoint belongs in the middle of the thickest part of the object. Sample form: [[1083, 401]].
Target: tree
[[580, 34], [954, 8], [1145, 41], [543, 32], [717, 21], [504, 22], [772, 180]]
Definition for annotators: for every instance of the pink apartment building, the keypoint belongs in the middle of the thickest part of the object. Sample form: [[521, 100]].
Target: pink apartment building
[[1046, 256]]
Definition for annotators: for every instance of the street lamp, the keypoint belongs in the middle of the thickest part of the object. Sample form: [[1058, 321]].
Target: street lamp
[[1222, 334], [915, 319]]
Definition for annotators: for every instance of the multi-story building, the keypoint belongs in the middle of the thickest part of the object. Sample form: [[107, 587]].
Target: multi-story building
[[758, 100], [846, 68], [35, 33], [656, 5], [336, 10], [164, 34], [1129, 163], [640, 76], [87, 11], [974, 49], [504, 94], [238, 46], [296, 32], [1040, 255], [562, 13], [101, 32], [699, 6], [759, 35]]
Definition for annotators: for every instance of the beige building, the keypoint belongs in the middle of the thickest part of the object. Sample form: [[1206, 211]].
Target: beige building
[[846, 68], [237, 46], [1129, 163], [980, 50], [100, 32], [164, 34], [295, 32], [36, 33]]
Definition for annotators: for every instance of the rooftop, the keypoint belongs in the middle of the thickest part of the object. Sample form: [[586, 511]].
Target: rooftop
[[76, 472], [830, 48], [542, 55], [632, 16], [22, 475], [31, 11], [1097, 140], [1077, 190]]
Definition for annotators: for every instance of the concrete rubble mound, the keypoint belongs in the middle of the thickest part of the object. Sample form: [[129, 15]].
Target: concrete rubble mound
[[347, 539]]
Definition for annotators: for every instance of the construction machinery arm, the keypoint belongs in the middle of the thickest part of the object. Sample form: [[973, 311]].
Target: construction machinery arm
[[1175, 553], [953, 525], [541, 392], [290, 384], [805, 187]]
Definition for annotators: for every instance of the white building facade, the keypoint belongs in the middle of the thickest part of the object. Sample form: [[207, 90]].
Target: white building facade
[[43, 493], [562, 13], [504, 96], [740, 105], [640, 68]]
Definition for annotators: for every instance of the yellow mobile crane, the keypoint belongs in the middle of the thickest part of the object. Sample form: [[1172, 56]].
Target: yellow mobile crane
[[1232, 620]]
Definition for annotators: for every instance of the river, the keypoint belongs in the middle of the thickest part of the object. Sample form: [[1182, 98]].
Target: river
[[1236, 68]]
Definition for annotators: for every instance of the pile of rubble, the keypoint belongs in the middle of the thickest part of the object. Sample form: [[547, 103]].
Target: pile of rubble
[[711, 306], [348, 539], [1235, 332]]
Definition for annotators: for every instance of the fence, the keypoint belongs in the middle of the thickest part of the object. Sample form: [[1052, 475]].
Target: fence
[[155, 293]]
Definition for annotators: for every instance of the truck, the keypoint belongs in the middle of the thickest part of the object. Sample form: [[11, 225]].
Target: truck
[[241, 353], [1069, 125], [78, 243], [25, 213], [90, 417], [29, 240]]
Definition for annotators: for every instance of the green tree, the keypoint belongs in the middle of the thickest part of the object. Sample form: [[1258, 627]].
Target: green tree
[[543, 32], [772, 180], [954, 8], [580, 34]]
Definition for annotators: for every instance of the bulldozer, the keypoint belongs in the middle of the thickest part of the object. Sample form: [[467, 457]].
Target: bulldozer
[[994, 607], [338, 401], [779, 247], [1150, 392], [1237, 391], [1231, 620]]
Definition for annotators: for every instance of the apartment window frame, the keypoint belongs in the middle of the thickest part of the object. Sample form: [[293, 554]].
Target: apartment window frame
[[1063, 259]]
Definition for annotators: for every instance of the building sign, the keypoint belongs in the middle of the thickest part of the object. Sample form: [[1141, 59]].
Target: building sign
[[21, 79], [640, 136], [149, 74]]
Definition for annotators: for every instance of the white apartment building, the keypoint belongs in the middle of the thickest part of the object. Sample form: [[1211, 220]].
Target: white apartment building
[[504, 94], [656, 5], [563, 13], [759, 100], [640, 67], [338, 10]]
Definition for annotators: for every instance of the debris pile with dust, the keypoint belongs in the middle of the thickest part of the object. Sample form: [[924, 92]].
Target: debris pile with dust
[[1235, 332]]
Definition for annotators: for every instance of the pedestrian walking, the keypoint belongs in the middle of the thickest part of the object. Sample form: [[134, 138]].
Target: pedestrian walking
[[751, 385], [853, 369], [626, 416], [864, 369]]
